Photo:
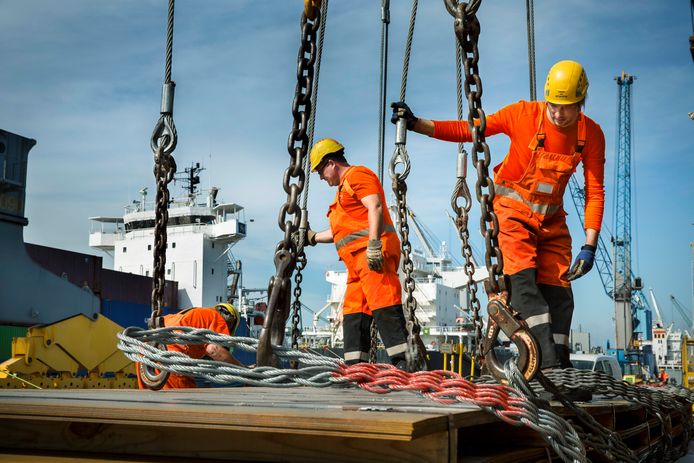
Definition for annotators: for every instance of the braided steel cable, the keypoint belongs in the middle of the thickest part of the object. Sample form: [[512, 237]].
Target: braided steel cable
[[383, 83], [658, 401], [592, 433], [443, 387]]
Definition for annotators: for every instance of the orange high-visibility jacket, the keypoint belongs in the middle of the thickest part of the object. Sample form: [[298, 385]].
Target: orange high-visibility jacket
[[520, 122], [349, 219], [204, 318]]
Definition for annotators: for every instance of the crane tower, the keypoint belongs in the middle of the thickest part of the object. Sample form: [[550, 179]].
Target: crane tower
[[628, 298]]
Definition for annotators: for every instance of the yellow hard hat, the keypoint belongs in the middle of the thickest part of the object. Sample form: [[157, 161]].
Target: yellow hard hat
[[230, 315], [323, 148], [566, 83]]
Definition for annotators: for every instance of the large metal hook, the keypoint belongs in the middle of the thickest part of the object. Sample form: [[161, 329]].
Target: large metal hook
[[502, 318]]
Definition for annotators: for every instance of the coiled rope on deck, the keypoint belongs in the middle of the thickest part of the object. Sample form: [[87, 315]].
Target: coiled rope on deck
[[315, 370]]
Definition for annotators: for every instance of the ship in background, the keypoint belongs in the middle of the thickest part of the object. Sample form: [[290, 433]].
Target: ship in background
[[201, 233]]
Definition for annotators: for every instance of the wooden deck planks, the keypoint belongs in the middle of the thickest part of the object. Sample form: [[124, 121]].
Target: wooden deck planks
[[251, 424], [278, 424]]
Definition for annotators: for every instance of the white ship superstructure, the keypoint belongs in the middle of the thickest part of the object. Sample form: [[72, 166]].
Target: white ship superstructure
[[199, 236]]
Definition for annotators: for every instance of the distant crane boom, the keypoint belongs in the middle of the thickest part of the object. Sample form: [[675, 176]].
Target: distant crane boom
[[682, 311]]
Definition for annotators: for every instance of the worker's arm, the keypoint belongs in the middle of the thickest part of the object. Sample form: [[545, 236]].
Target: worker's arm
[[592, 237], [423, 126], [324, 236], [374, 247], [373, 205], [221, 354]]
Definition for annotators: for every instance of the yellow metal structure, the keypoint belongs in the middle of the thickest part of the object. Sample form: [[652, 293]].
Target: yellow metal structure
[[687, 362], [78, 352]]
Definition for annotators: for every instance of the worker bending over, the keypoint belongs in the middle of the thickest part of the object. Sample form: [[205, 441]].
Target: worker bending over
[[548, 141], [222, 319], [366, 241]]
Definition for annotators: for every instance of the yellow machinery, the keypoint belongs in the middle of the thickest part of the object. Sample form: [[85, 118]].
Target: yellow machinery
[[78, 352]]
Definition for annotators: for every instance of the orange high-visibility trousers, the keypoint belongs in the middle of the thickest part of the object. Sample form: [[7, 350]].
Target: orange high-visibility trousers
[[369, 290], [530, 240]]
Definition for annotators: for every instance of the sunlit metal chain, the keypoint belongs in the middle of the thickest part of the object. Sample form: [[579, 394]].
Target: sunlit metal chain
[[401, 158], [163, 142], [467, 29], [301, 259], [462, 211], [296, 310], [290, 215]]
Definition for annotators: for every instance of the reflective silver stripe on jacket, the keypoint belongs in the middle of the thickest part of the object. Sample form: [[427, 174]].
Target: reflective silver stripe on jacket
[[544, 209], [360, 234]]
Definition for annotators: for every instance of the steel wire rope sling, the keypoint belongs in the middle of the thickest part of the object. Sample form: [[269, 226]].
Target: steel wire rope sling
[[286, 250], [383, 84], [163, 143], [502, 317], [301, 259], [416, 353], [462, 212]]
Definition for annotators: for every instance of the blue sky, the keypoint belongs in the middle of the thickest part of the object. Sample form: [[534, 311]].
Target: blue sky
[[84, 78]]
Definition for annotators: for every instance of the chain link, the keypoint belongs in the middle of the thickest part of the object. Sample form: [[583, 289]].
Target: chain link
[[290, 214], [163, 143], [462, 211], [462, 191], [467, 30]]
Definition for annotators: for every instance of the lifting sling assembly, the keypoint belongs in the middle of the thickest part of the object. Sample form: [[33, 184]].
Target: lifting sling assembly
[[163, 143], [291, 218], [501, 316]]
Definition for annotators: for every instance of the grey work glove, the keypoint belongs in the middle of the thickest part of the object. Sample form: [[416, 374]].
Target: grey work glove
[[402, 111], [583, 263], [310, 237], [374, 254]]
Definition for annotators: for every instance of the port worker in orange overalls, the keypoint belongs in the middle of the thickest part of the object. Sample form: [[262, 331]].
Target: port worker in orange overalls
[[222, 319], [366, 241], [548, 141]]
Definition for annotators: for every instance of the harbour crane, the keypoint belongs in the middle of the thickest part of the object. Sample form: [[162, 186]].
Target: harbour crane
[[615, 270]]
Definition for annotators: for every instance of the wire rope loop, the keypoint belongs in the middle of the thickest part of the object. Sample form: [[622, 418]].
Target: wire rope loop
[[400, 157], [164, 135]]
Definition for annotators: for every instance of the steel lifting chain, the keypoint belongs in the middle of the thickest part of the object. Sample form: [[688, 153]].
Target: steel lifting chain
[[301, 259], [462, 211], [416, 356], [290, 215], [163, 143], [501, 314]]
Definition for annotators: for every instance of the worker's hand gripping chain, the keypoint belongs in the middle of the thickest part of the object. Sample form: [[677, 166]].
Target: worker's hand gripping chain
[[501, 315], [279, 296]]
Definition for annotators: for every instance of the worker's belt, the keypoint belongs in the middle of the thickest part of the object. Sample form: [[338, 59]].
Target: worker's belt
[[360, 234], [538, 208]]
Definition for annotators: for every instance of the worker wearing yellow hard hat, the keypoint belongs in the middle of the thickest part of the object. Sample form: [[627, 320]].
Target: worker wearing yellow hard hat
[[548, 141], [363, 233]]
